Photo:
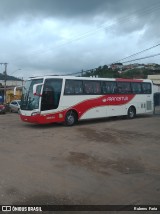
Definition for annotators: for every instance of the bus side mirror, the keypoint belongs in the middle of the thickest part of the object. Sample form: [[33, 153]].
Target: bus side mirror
[[37, 89], [15, 89]]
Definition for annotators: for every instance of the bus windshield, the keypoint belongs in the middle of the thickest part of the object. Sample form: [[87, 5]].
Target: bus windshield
[[29, 101]]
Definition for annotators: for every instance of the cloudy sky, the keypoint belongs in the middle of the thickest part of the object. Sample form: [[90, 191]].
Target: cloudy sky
[[65, 36]]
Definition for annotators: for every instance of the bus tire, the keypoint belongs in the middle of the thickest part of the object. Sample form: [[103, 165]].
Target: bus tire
[[71, 118], [131, 112]]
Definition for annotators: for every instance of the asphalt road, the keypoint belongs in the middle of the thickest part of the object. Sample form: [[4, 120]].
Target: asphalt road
[[111, 161]]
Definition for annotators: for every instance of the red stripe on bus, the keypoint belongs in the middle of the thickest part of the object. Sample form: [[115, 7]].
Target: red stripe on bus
[[128, 80], [106, 100], [81, 108]]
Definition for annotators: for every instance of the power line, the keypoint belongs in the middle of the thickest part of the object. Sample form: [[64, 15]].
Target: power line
[[143, 11], [135, 54], [19, 69], [121, 20], [74, 73], [142, 58]]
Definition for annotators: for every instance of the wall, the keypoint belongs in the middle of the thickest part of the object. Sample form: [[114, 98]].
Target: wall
[[155, 78], [10, 95], [12, 82]]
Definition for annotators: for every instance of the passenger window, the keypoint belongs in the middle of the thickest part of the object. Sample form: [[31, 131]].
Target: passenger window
[[96, 87], [73, 87], [136, 87], [78, 87], [146, 88], [124, 87], [69, 87], [92, 87], [109, 87]]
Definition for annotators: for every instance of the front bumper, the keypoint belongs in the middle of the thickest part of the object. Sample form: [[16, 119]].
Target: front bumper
[[42, 119]]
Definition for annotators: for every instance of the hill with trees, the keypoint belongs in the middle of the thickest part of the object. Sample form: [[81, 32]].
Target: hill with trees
[[123, 71]]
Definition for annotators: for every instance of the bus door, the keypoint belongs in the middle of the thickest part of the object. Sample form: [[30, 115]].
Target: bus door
[[51, 94]]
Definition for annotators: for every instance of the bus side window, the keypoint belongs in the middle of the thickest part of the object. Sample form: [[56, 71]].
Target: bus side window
[[88, 87], [124, 87], [136, 87], [69, 88], [78, 87], [114, 90], [104, 88], [109, 87], [73, 87], [146, 87], [96, 87], [92, 87]]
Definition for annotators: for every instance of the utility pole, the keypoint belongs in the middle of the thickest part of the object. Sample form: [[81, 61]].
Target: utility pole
[[82, 73], [5, 79]]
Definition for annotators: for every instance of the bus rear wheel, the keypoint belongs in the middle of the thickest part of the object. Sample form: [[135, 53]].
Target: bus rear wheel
[[131, 112], [71, 118]]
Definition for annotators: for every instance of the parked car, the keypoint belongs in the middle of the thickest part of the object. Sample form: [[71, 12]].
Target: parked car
[[2, 109], [14, 105]]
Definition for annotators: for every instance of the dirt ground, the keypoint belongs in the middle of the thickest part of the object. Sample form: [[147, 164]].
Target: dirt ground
[[109, 161]]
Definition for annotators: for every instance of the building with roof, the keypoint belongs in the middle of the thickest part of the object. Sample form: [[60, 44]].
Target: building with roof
[[10, 82], [155, 79]]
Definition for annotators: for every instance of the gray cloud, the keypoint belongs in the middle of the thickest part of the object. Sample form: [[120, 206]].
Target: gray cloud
[[130, 15], [65, 36], [72, 8], [51, 8]]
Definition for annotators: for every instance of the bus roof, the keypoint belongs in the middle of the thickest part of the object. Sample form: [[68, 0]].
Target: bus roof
[[90, 78]]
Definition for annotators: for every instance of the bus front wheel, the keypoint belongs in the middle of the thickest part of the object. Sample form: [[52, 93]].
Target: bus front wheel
[[131, 112], [71, 118]]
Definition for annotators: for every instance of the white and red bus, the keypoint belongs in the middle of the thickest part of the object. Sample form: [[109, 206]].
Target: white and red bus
[[69, 99]]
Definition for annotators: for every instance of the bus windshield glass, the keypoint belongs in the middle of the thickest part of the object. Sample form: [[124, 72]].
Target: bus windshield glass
[[29, 101]]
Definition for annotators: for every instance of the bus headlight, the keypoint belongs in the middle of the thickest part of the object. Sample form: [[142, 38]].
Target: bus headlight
[[35, 113]]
